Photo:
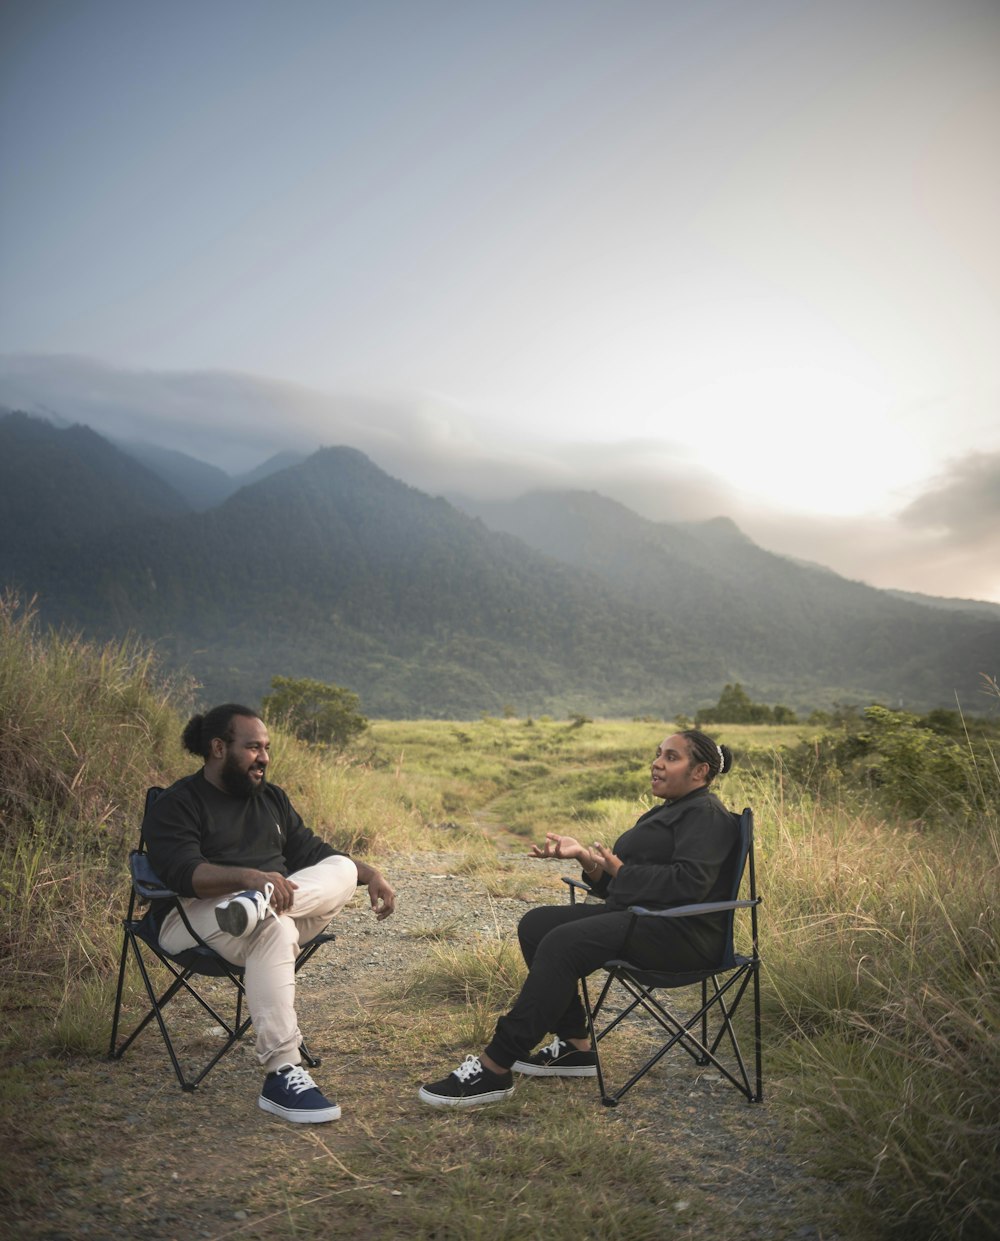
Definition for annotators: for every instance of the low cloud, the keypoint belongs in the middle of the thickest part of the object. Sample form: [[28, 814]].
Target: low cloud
[[236, 421], [962, 506], [944, 542]]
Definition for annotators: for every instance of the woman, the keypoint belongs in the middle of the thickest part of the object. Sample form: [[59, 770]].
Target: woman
[[679, 853]]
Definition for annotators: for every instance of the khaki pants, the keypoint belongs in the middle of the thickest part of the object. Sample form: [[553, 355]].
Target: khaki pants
[[267, 954]]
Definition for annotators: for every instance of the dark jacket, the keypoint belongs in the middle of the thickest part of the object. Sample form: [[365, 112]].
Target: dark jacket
[[679, 853], [193, 822]]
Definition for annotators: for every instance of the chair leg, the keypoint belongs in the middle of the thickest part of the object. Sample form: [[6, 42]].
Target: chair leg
[[681, 1033], [235, 1028], [115, 1020], [234, 1031], [759, 1096], [606, 1099], [704, 1019]]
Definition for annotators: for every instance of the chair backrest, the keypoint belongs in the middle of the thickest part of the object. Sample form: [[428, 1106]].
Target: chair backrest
[[744, 868], [152, 794], [147, 887]]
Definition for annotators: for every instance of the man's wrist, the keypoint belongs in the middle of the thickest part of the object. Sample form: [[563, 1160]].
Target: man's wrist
[[366, 873]]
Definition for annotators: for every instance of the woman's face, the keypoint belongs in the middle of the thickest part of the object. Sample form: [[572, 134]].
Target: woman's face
[[673, 774]]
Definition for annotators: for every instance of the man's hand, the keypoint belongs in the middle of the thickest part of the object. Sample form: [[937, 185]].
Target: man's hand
[[381, 895], [283, 896], [210, 879]]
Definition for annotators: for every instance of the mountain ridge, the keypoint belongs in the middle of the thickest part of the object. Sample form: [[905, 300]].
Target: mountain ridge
[[331, 568]]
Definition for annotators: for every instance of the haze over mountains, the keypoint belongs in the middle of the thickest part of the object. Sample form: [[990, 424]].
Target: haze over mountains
[[328, 567]]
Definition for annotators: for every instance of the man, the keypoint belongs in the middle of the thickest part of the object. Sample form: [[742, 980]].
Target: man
[[255, 884]]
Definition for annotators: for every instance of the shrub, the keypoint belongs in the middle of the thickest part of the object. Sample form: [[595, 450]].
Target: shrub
[[315, 712]]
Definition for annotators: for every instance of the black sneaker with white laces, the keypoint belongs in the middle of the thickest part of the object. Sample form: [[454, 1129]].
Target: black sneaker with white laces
[[558, 1059], [470, 1085]]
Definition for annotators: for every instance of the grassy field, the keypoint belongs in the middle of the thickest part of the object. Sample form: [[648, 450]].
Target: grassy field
[[533, 776], [881, 930]]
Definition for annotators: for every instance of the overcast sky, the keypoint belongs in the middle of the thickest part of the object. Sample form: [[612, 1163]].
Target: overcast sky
[[718, 256]]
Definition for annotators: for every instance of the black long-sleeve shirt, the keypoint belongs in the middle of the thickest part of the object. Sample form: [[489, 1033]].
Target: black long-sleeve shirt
[[193, 822], [680, 853]]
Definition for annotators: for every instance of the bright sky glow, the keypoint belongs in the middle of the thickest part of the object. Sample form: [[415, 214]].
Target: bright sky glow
[[754, 245]]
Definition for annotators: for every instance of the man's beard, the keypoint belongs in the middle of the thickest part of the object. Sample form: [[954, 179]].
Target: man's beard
[[237, 781]]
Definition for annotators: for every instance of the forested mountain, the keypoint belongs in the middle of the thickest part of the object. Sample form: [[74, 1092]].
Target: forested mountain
[[67, 486], [202, 486], [332, 569], [780, 624]]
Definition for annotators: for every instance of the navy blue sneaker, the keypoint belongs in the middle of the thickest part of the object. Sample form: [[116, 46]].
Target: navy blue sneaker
[[240, 913], [293, 1095], [471, 1085]]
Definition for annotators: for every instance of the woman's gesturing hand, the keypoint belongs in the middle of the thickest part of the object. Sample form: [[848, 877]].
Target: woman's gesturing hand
[[559, 846], [592, 860], [607, 860]]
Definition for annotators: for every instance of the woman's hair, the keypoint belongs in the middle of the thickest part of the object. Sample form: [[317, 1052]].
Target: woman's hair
[[200, 729], [704, 750]]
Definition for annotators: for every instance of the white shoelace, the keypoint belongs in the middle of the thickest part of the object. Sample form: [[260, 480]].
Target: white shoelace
[[554, 1048], [469, 1067], [268, 907], [297, 1079]]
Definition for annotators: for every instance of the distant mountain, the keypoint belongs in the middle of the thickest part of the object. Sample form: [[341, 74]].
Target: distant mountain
[[981, 607], [202, 486], [280, 461], [332, 569], [68, 487], [784, 627]]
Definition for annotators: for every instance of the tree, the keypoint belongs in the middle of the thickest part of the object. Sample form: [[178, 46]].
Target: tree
[[315, 712], [736, 707]]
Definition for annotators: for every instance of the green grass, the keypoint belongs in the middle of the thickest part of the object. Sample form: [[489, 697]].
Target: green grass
[[534, 776], [881, 942]]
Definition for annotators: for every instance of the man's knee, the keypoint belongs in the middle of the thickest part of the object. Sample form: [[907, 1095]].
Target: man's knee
[[338, 876], [276, 939], [324, 888]]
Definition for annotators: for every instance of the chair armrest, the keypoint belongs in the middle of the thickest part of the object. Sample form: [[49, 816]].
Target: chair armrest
[[689, 911], [147, 884], [576, 883]]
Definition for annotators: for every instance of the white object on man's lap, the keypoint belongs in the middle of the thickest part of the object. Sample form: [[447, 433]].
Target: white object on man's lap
[[241, 913]]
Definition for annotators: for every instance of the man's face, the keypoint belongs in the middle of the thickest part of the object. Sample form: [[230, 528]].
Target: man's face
[[244, 768]]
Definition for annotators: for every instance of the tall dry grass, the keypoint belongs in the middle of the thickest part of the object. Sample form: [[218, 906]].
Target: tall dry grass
[[882, 952], [85, 729]]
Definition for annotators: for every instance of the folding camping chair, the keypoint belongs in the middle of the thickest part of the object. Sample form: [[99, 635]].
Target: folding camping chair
[[141, 942], [710, 1032]]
